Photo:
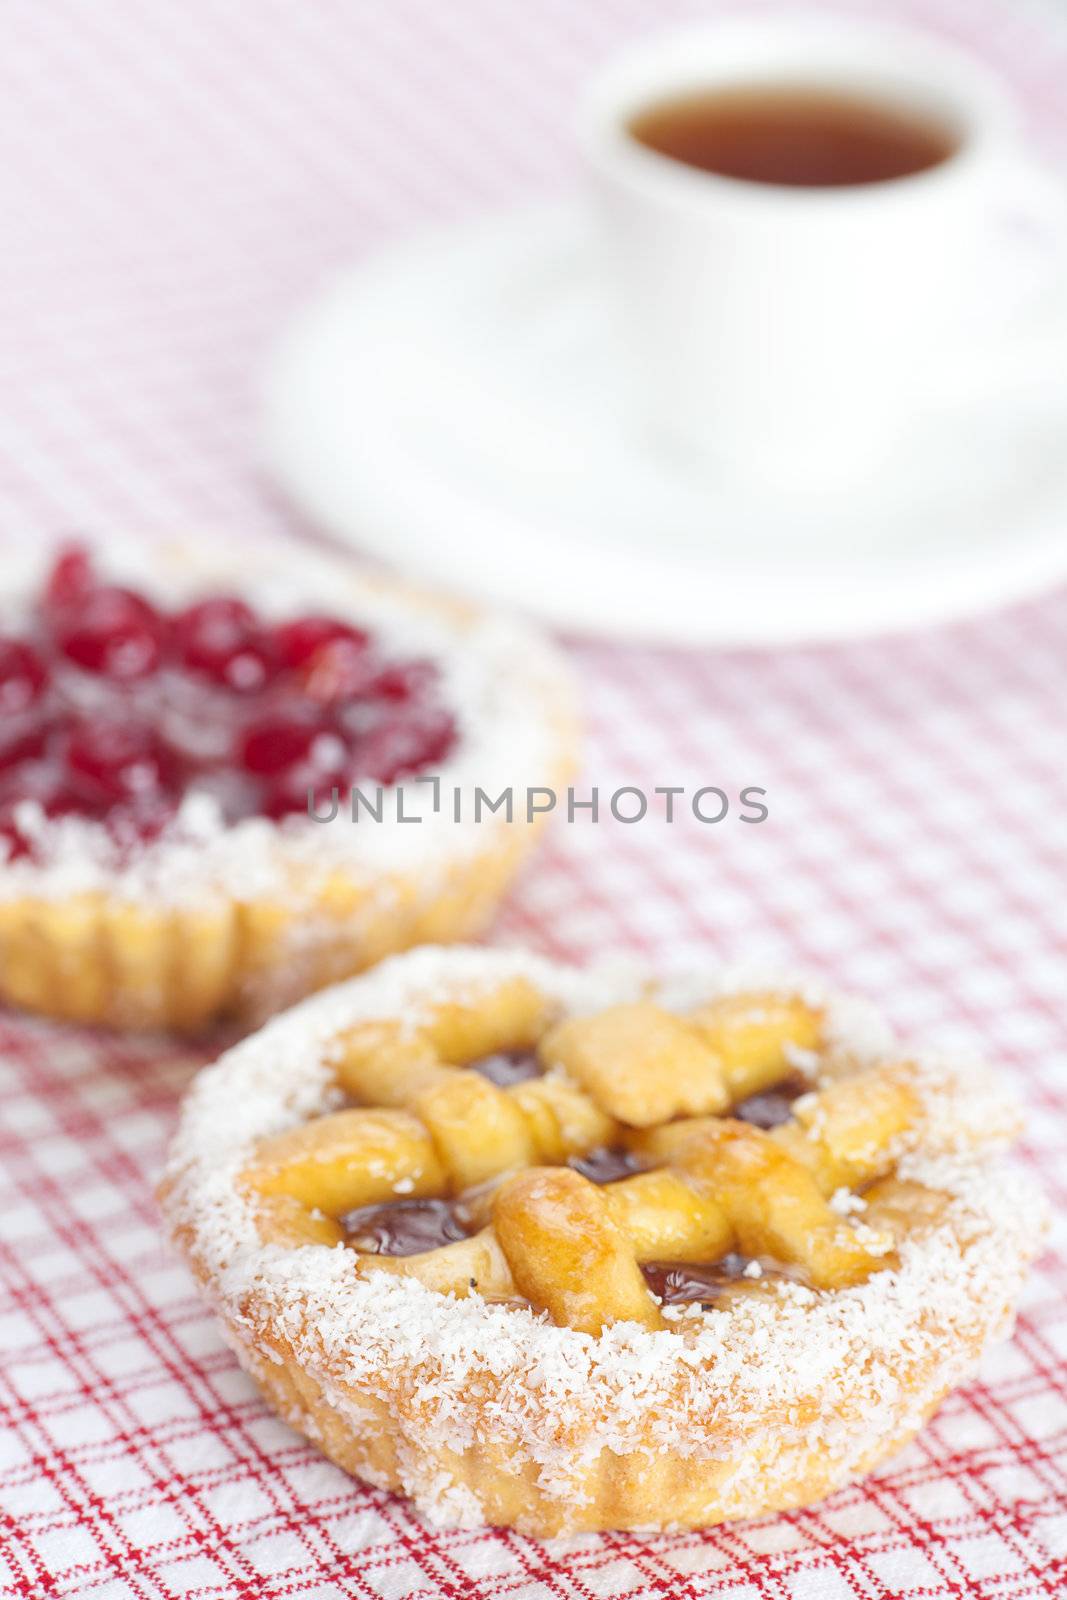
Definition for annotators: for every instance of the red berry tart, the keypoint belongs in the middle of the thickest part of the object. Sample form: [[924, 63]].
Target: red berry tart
[[174, 737]]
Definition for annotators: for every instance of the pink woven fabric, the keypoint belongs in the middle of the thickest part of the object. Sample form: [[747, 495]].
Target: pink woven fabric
[[175, 178]]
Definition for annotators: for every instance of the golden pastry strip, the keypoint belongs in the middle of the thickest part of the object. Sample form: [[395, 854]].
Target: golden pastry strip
[[666, 1217], [466, 1132], [641, 1064], [351, 1158], [553, 1238], [774, 1207], [476, 1265], [288, 1221], [757, 1038], [386, 1064], [843, 1133], [567, 1254]]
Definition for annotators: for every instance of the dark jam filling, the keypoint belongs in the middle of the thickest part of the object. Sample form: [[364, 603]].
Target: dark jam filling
[[409, 1227], [682, 1282], [112, 707], [403, 1227], [774, 1106], [606, 1165], [508, 1067]]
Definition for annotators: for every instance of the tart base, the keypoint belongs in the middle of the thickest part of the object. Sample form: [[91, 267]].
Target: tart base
[[101, 961], [491, 1485]]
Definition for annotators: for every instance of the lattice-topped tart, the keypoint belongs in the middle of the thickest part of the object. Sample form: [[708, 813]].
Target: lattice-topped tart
[[565, 1251], [165, 716]]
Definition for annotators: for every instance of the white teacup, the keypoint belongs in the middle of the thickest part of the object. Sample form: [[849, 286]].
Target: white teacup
[[791, 330]]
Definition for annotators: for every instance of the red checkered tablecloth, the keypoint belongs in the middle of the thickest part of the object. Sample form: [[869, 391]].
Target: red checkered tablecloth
[[176, 176]]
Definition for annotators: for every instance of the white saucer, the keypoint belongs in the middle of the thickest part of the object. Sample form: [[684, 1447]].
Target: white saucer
[[460, 407]]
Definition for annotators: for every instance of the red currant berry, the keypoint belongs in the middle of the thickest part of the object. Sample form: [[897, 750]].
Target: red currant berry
[[13, 844], [23, 676], [109, 761], [339, 670], [270, 747], [222, 639], [114, 633], [28, 744], [248, 669], [70, 579], [401, 748], [299, 640], [212, 628], [402, 681], [64, 800]]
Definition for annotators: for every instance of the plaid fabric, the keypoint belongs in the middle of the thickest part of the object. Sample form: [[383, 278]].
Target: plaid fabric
[[175, 178]]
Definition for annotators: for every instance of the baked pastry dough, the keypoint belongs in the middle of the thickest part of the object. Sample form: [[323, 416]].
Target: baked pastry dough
[[566, 1250], [217, 908]]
